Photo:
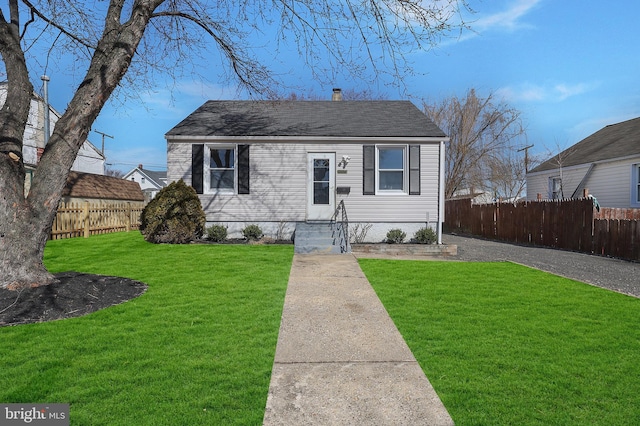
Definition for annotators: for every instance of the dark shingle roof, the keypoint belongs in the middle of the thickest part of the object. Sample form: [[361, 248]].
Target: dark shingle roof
[[613, 141], [307, 118], [159, 178], [87, 185]]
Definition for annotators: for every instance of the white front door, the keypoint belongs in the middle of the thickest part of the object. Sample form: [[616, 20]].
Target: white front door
[[321, 187]]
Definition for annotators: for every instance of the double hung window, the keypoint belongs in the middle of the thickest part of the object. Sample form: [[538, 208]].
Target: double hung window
[[220, 169], [221, 165], [391, 169]]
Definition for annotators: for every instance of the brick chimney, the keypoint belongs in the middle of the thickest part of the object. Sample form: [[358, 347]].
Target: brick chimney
[[337, 94], [140, 166]]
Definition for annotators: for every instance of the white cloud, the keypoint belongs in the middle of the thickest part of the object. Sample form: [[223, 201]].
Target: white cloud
[[509, 19], [563, 91], [557, 92]]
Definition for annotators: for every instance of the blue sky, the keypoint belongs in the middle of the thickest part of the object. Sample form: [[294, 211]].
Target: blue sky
[[570, 66]]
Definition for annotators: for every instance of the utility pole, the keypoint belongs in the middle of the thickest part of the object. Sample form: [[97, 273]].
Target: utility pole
[[103, 135], [526, 157]]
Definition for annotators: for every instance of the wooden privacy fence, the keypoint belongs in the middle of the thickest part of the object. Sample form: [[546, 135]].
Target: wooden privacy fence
[[77, 219], [567, 224]]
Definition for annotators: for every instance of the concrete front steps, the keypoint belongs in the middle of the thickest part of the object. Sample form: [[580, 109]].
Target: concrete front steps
[[320, 238]]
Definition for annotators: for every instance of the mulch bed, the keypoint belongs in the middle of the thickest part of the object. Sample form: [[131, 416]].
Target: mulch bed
[[74, 295]]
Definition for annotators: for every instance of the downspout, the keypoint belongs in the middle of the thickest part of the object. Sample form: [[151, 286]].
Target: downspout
[[583, 181], [441, 194]]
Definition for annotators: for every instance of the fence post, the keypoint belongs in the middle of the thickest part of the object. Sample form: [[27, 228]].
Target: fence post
[[87, 225], [128, 219]]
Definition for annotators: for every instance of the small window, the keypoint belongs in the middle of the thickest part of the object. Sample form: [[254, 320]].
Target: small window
[[142, 180], [638, 184], [635, 185], [221, 166], [555, 188], [391, 169]]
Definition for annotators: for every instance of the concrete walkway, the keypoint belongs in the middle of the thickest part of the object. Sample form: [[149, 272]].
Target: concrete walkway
[[340, 360]]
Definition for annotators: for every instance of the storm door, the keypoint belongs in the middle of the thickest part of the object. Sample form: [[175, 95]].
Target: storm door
[[321, 194]]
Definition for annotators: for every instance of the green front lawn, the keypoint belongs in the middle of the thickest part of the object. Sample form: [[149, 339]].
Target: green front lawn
[[196, 348], [501, 343], [504, 344]]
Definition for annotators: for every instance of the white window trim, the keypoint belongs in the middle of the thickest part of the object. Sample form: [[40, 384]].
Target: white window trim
[[207, 170], [635, 185], [405, 171], [552, 180]]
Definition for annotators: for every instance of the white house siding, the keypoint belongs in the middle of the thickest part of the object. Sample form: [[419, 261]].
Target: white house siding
[[538, 183], [278, 189], [390, 208], [33, 133], [609, 182], [89, 160]]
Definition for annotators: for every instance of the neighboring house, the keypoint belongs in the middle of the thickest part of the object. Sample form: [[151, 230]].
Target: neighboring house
[[151, 182], [476, 196], [83, 187], [89, 158], [607, 163], [281, 163]]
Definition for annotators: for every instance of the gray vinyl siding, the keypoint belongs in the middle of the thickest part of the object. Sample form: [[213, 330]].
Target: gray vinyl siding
[[278, 185], [609, 182], [538, 183], [396, 207]]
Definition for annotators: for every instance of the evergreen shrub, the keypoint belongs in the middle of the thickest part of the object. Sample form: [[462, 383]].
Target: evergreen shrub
[[425, 235], [174, 216], [217, 233], [396, 236], [252, 232]]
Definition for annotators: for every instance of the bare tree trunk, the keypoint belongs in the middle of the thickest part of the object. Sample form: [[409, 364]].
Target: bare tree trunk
[[26, 222], [21, 243]]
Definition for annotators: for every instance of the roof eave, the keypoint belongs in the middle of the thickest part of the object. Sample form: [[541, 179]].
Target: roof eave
[[573, 166], [294, 139]]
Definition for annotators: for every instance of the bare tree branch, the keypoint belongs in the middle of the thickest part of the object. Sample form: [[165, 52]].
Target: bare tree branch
[[481, 133], [62, 29]]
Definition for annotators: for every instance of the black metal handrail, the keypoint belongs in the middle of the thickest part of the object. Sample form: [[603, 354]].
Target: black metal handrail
[[343, 231]]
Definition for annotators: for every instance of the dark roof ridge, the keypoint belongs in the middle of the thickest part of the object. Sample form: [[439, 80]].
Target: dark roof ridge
[[617, 140], [313, 118]]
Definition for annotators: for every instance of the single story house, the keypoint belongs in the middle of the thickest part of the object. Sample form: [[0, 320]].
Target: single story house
[[278, 164], [150, 181], [607, 163]]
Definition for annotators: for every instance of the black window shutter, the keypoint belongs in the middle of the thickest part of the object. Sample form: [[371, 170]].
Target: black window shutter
[[368, 169], [243, 169], [414, 169], [197, 167]]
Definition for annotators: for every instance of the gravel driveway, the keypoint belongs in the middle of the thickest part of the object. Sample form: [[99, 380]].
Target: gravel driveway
[[613, 274]]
